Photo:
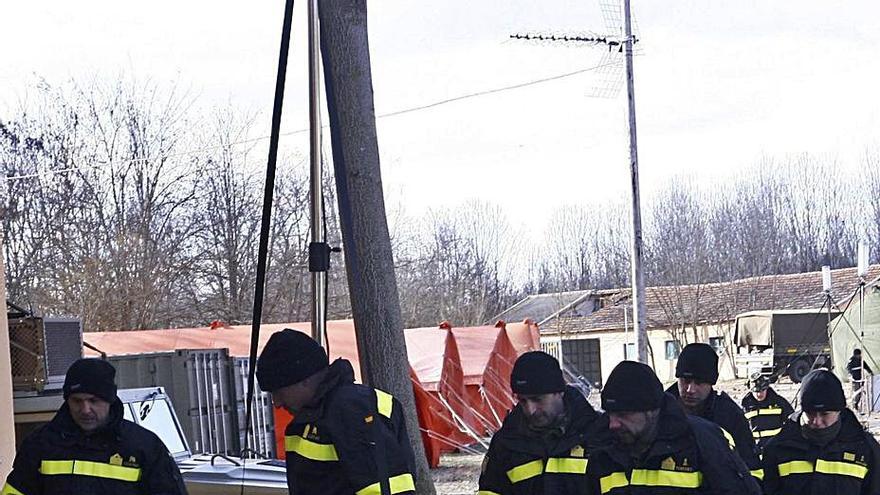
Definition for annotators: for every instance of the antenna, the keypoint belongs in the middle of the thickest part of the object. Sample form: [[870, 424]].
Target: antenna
[[826, 279], [863, 256]]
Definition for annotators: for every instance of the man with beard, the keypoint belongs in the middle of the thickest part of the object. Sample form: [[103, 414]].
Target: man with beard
[[824, 449], [345, 438], [89, 448], [697, 373], [655, 448], [765, 410], [540, 448]]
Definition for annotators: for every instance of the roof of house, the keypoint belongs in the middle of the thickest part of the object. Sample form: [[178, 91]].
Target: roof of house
[[669, 306], [539, 307]]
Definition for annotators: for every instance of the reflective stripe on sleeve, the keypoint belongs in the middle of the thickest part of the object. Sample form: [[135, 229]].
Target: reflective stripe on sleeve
[[566, 465], [763, 412], [309, 449], [766, 433], [90, 468], [612, 481], [487, 492], [842, 468], [729, 438], [525, 471], [10, 490], [757, 473], [385, 403], [652, 477], [398, 484]]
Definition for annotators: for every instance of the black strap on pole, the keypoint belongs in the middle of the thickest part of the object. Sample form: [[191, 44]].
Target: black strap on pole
[[269, 189]]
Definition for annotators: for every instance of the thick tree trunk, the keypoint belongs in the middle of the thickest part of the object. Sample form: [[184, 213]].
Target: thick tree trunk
[[367, 245]]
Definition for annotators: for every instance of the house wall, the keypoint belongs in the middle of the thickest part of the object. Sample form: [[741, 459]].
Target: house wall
[[611, 348]]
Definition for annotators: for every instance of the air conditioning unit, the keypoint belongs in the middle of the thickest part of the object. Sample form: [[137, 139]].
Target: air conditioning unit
[[41, 350]]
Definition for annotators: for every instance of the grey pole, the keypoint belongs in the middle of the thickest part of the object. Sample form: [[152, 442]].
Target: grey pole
[[638, 279], [319, 274]]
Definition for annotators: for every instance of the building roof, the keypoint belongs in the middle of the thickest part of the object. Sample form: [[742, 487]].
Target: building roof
[[671, 306], [539, 307]]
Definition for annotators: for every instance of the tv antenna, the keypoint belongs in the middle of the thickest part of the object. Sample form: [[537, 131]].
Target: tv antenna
[[619, 40]]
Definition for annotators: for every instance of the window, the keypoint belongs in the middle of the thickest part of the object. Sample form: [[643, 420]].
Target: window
[[629, 351], [717, 343], [673, 349]]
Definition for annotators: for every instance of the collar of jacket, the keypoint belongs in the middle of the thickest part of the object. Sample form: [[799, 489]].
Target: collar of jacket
[[580, 417], [771, 400], [64, 424], [790, 436], [339, 373]]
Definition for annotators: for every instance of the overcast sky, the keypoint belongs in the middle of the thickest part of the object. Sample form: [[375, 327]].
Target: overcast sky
[[719, 85]]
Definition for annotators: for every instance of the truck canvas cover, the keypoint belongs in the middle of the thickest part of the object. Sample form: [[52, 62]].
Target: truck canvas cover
[[783, 329]]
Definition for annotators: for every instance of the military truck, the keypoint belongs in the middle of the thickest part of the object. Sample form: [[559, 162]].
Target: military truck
[[782, 342]]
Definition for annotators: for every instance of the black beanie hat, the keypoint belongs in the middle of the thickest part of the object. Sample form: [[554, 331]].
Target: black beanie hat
[[632, 386], [699, 362], [536, 373], [822, 391], [91, 376], [289, 357]]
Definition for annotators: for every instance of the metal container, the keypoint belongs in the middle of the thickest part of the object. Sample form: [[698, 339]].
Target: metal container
[[200, 384], [259, 435]]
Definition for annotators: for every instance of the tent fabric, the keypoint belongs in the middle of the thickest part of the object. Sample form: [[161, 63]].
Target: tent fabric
[[754, 329], [846, 333]]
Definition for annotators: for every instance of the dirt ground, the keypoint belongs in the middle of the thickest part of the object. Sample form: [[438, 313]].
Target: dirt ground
[[458, 473]]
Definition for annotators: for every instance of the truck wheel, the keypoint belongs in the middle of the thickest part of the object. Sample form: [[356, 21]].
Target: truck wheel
[[798, 370]]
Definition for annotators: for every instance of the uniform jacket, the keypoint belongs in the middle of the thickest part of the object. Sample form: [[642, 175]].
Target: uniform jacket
[[766, 417], [689, 456], [846, 466], [523, 461], [120, 459], [724, 412], [350, 439]]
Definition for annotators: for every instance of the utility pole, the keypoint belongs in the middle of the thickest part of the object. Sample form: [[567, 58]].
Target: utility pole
[[638, 278], [7, 418], [611, 11], [367, 245]]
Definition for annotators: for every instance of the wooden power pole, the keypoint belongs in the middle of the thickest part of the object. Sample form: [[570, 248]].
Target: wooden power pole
[[7, 419], [366, 243]]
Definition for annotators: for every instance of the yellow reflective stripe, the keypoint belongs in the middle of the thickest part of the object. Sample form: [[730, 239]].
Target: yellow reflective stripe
[[763, 412], [795, 467], [384, 402], [10, 490], [751, 414], [757, 473], [843, 468], [398, 484], [487, 492], [566, 465], [90, 468], [309, 449], [766, 433], [729, 438], [525, 471], [612, 481], [653, 477]]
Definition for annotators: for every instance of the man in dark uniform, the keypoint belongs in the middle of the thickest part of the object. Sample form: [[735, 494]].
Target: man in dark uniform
[[765, 410], [540, 448], [90, 449], [824, 449], [344, 438], [855, 366], [655, 448], [697, 373]]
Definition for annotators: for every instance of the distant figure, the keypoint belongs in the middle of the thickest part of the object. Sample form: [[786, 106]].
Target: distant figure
[[823, 450], [90, 449], [855, 366], [697, 372], [765, 409], [541, 447]]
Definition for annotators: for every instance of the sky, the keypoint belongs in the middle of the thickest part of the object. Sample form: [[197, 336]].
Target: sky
[[719, 85]]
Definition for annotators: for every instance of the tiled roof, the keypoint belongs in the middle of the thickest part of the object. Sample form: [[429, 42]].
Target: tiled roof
[[538, 307], [671, 306]]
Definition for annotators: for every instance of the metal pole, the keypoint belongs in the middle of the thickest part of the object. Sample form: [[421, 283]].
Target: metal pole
[[638, 279], [319, 277]]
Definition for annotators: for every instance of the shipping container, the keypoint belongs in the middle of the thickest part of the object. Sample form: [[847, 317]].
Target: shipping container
[[259, 437]]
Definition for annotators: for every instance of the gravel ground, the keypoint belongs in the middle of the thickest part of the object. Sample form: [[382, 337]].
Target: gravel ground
[[458, 473]]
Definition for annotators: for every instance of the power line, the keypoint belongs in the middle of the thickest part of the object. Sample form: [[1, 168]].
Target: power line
[[300, 131]]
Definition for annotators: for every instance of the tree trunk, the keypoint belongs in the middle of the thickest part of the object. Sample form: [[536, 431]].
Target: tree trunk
[[367, 245]]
